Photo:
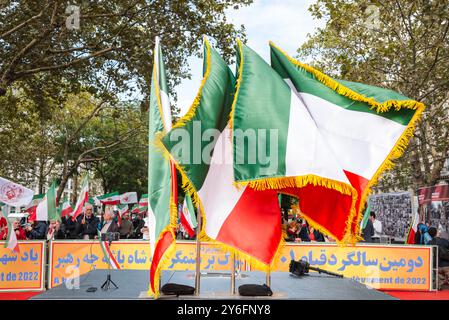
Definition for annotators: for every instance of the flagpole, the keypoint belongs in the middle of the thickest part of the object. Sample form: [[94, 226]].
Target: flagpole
[[233, 274], [198, 255], [269, 278]]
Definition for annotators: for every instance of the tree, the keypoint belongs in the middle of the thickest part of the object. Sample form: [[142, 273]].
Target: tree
[[78, 42], [401, 45]]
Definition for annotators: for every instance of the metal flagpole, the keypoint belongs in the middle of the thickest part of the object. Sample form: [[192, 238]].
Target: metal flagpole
[[268, 278], [198, 254], [233, 274]]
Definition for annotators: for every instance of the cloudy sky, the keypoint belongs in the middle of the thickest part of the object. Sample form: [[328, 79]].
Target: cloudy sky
[[285, 22]]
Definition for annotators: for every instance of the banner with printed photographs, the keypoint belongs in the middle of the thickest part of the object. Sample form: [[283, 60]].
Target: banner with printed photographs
[[394, 211], [434, 206]]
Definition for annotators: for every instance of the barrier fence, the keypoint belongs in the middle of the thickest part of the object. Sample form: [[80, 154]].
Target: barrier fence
[[384, 267]]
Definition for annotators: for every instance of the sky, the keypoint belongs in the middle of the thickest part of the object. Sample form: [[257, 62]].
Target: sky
[[285, 22]]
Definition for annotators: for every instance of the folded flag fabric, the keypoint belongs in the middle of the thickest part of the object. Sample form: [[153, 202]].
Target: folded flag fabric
[[188, 219], [240, 220], [162, 192], [367, 127], [122, 209], [32, 206], [278, 146], [14, 194]]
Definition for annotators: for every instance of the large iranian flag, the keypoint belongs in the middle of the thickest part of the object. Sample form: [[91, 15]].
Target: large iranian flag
[[240, 220], [367, 127], [83, 197], [278, 146], [162, 185], [46, 209]]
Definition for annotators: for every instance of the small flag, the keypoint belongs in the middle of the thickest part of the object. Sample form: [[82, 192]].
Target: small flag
[[108, 256], [112, 198], [128, 198], [46, 209], [188, 219], [366, 215], [65, 209], [82, 198]]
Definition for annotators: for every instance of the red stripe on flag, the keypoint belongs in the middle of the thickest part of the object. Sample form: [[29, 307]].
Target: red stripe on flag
[[111, 256], [411, 237], [360, 184], [162, 245], [325, 206], [254, 225], [186, 225], [79, 210]]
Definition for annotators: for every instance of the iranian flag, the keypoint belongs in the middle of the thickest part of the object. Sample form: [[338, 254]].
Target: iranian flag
[[128, 198], [82, 198], [135, 209], [65, 208], [32, 206], [108, 256], [46, 209], [278, 147], [122, 209], [414, 226], [162, 185], [366, 127], [188, 219], [14, 194], [11, 239], [112, 198], [240, 220]]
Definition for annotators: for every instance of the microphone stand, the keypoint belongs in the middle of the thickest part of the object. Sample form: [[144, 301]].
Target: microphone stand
[[107, 284]]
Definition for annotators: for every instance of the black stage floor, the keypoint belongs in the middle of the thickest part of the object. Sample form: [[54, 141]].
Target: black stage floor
[[133, 284]]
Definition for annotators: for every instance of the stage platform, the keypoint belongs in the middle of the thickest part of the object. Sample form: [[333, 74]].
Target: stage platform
[[133, 284]]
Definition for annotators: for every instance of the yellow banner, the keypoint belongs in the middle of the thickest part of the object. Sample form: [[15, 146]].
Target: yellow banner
[[70, 259], [23, 271], [387, 267]]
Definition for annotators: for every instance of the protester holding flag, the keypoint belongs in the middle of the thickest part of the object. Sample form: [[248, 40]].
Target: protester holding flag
[[36, 230], [88, 223], [20, 233]]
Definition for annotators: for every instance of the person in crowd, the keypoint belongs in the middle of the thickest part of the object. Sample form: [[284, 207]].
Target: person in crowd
[[71, 227], [443, 256], [138, 224], [422, 236], [368, 231], [56, 230], [3, 229], [293, 231], [377, 226], [108, 224], [315, 235], [87, 224], [146, 229], [304, 231], [20, 233], [126, 227], [36, 230]]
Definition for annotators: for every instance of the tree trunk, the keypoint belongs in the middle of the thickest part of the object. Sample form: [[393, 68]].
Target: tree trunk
[[75, 188]]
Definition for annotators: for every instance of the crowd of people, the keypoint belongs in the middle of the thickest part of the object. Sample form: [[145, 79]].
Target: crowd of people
[[298, 230], [86, 226]]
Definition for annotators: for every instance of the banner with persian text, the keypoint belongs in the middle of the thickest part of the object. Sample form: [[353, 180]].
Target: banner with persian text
[[387, 267], [24, 271]]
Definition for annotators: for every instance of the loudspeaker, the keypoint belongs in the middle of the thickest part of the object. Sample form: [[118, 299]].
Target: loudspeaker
[[255, 290]]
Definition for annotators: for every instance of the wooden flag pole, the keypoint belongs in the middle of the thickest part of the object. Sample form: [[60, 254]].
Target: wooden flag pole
[[268, 278], [198, 255]]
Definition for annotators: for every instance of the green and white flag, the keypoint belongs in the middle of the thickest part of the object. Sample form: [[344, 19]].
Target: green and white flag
[[162, 197], [366, 127], [278, 146], [46, 209]]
